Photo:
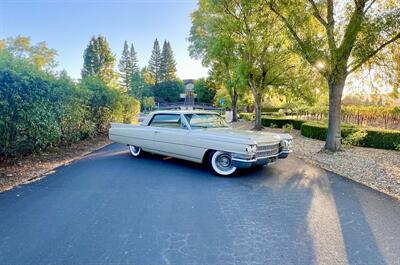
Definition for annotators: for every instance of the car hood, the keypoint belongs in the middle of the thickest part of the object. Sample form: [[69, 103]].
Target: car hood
[[243, 136]]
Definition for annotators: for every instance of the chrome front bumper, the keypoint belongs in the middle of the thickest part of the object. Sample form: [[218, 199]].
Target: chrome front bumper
[[241, 161]]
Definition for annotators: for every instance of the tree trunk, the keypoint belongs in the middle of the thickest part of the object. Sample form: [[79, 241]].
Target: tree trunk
[[257, 122], [333, 139], [257, 103], [234, 105]]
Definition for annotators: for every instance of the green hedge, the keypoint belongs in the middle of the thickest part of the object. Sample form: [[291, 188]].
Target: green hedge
[[280, 122], [247, 116], [250, 116], [39, 109], [271, 109], [318, 130], [383, 139]]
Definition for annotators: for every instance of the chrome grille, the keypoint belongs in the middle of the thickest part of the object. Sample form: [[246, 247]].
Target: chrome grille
[[267, 150]]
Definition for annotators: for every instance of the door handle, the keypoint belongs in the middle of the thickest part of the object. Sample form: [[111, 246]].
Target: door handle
[[156, 132]]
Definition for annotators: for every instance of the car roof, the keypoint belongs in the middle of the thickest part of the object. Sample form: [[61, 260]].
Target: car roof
[[183, 112]]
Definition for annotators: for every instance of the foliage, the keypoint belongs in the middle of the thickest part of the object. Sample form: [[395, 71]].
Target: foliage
[[39, 54], [148, 103], [38, 109], [360, 115], [155, 62], [319, 130], [287, 127], [128, 65], [139, 88], [168, 64], [98, 61], [204, 92], [355, 138], [397, 147], [247, 116], [376, 138], [245, 47], [273, 125], [168, 91], [337, 38], [280, 122]]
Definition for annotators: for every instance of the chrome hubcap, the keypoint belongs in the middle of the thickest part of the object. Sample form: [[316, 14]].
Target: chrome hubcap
[[224, 162]]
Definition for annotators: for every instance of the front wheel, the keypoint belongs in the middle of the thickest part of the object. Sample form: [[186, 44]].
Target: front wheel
[[136, 151], [221, 163]]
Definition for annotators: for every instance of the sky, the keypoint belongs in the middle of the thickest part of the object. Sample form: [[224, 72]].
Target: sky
[[68, 25]]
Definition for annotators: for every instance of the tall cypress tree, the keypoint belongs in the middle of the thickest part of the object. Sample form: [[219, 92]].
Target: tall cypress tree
[[168, 64], [128, 65], [99, 61], [171, 63], [124, 68], [164, 63], [134, 65], [155, 62]]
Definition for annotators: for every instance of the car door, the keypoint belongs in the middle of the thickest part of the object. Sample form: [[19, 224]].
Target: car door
[[169, 135]]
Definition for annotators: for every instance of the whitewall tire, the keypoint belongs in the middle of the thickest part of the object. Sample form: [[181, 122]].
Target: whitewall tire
[[136, 151], [221, 163]]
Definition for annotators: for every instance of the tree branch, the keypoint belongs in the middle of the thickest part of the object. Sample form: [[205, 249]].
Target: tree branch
[[317, 14], [369, 56], [292, 31], [369, 6], [330, 27]]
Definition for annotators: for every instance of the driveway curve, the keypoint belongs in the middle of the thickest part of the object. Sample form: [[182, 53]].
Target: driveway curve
[[109, 208]]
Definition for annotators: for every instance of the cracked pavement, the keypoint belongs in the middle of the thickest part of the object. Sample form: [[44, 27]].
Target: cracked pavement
[[110, 208]]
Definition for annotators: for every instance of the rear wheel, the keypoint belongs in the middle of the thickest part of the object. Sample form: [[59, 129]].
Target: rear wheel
[[221, 163], [136, 151]]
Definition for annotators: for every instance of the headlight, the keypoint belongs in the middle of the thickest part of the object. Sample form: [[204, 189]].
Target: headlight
[[286, 144], [251, 149]]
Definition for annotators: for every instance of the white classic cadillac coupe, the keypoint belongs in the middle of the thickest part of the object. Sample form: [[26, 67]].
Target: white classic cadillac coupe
[[203, 137]]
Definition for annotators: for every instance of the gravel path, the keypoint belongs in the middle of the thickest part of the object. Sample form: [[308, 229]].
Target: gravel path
[[376, 168]]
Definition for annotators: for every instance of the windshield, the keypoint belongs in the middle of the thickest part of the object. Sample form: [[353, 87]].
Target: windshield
[[205, 120]]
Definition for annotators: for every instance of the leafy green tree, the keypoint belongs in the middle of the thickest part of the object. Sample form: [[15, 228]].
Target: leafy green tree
[[227, 29], [168, 64], [337, 38], [128, 65], [38, 109], [168, 91], [99, 61], [155, 62], [216, 47], [39, 54], [205, 93], [148, 103], [124, 68], [139, 87]]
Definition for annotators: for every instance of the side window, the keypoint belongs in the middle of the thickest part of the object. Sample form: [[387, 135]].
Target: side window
[[167, 121]]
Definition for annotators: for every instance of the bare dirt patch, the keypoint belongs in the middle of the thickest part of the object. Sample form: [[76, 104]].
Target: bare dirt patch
[[376, 168], [24, 169]]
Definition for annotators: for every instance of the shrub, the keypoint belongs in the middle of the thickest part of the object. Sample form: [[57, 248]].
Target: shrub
[[280, 122], [288, 127], [319, 130], [384, 139], [356, 138], [38, 110], [270, 109], [397, 147], [247, 116], [273, 125], [168, 91]]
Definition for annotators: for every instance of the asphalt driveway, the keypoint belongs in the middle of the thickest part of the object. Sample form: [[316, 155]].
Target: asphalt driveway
[[109, 208]]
